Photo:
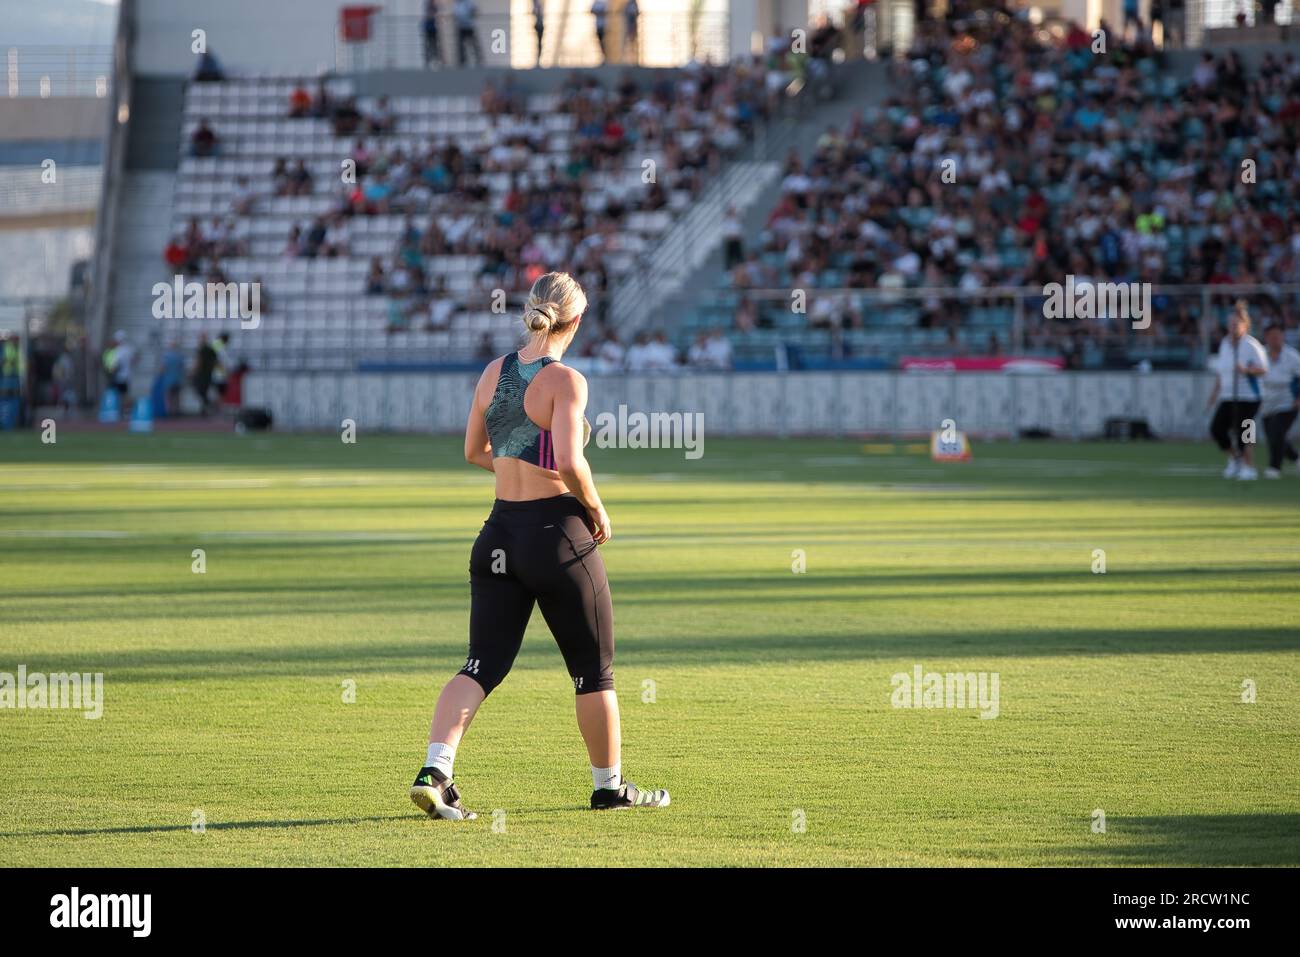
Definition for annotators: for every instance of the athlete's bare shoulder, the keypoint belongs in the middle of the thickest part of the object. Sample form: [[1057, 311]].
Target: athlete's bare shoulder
[[487, 381], [566, 379]]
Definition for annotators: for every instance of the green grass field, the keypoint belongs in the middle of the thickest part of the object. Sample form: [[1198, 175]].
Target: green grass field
[[329, 563]]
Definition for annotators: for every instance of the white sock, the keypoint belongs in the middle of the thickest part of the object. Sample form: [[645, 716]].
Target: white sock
[[440, 756], [607, 778]]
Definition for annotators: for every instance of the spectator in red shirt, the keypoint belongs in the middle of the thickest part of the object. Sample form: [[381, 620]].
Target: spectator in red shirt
[[175, 254], [299, 102]]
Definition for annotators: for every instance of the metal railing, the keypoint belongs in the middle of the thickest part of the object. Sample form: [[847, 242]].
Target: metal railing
[[663, 38], [1185, 327], [845, 324], [684, 247], [24, 190], [1217, 14], [44, 71]]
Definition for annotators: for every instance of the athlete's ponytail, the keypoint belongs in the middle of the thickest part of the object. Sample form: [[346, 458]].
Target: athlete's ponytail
[[554, 303]]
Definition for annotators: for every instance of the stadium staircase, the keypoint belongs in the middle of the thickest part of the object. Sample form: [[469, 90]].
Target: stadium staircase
[[688, 261], [144, 224], [857, 85]]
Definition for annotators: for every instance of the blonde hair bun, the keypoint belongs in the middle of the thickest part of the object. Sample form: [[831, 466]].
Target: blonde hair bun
[[539, 316], [555, 301]]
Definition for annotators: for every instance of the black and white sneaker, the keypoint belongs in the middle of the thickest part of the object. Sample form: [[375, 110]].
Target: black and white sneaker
[[435, 794], [627, 795]]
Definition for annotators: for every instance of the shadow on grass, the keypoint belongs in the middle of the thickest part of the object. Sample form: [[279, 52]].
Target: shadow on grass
[[1221, 840], [413, 815], [1107, 473], [451, 576], [419, 656], [217, 826]]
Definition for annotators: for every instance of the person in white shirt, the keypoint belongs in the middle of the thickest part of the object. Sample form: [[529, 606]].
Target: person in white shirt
[[660, 355], [118, 362], [697, 355], [611, 352], [718, 350], [1281, 400], [639, 354], [244, 198], [442, 307], [1240, 366]]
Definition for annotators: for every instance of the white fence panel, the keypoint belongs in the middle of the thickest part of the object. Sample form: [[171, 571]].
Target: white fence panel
[[1069, 405]]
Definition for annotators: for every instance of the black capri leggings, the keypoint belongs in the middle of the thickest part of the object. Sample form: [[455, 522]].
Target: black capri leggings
[[1276, 426], [539, 551], [1230, 420]]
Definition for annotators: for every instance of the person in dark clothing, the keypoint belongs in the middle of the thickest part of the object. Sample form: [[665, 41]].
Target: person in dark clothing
[[432, 44], [347, 118], [465, 12], [208, 69], [205, 363]]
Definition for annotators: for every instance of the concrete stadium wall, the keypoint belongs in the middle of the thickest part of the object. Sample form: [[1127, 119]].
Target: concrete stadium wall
[[1074, 405], [24, 119], [247, 36]]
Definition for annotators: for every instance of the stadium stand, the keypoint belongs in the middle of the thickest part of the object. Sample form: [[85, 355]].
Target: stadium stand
[[1110, 168], [454, 198], [1115, 168]]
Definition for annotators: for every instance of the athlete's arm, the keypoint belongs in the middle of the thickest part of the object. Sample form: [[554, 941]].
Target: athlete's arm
[[1256, 363], [478, 448], [566, 431]]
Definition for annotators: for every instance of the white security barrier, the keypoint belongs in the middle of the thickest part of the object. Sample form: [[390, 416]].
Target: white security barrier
[[1068, 405]]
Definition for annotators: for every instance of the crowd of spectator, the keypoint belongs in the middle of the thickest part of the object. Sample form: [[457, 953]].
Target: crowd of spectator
[[569, 211], [691, 124], [653, 352], [1005, 158]]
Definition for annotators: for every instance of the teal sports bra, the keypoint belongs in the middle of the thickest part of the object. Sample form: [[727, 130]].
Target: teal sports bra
[[512, 434]]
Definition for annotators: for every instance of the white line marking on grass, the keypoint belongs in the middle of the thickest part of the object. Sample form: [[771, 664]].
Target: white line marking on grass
[[207, 483], [1190, 470], [61, 533], [45, 487], [293, 536], [287, 537], [401, 480], [927, 487]]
